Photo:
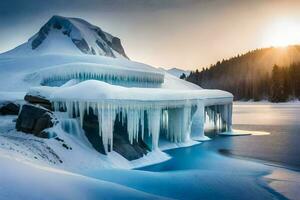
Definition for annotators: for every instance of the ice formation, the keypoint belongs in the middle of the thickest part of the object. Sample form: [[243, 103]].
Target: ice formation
[[168, 114], [58, 75]]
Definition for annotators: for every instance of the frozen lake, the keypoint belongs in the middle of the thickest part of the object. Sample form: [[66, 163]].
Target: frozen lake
[[281, 120], [280, 147]]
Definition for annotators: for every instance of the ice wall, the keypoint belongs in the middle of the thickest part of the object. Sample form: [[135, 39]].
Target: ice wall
[[198, 120], [58, 75], [171, 118], [219, 117], [72, 126]]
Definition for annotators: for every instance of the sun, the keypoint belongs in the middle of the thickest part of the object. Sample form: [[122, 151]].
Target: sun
[[281, 33]]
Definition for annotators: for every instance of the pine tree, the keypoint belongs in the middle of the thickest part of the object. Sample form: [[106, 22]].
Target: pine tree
[[182, 76], [277, 85]]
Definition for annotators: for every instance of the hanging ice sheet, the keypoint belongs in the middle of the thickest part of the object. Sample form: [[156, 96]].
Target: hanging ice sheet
[[58, 75], [175, 118]]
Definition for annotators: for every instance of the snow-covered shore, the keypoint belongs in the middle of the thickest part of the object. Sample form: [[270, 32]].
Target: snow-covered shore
[[27, 171], [236, 179]]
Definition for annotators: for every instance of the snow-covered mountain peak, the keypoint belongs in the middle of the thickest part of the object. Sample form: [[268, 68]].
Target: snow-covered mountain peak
[[63, 35]]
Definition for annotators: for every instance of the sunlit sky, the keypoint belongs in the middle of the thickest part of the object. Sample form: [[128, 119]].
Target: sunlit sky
[[186, 34]]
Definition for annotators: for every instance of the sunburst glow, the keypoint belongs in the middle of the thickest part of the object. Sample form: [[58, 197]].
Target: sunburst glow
[[282, 33]]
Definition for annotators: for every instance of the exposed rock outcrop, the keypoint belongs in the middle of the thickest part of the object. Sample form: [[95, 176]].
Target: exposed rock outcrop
[[34, 119], [9, 108], [99, 42], [91, 128], [121, 143], [38, 100]]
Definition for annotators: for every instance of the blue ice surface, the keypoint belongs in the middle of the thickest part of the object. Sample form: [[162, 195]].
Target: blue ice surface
[[196, 173]]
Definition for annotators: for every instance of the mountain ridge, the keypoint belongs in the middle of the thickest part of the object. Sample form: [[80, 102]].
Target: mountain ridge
[[68, 35]]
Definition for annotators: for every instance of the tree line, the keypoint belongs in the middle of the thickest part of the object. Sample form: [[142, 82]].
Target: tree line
[[280, 84]]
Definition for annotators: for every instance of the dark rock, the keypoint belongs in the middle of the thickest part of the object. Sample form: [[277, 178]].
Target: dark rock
[[44, 31], [46, 134], [9, 108], [105, 48], [41, 36], [58, 139], [45, 121], [57, 25], [93, 51], [42, 101], [64, 145], [121, 143], [34, 119], [91, 128], [82, 45], [129, 151], [117, 46]]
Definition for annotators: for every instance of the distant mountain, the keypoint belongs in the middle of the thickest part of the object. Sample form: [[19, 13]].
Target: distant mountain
[[249, 76], [177, 72], [71, 36]]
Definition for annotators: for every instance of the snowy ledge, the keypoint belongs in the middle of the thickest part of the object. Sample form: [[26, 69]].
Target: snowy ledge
[[103, 72], [96, 91]]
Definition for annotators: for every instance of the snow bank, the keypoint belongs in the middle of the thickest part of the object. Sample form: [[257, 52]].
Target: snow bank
[[12, 96], [28, 181], [53, 152], [97, 90]]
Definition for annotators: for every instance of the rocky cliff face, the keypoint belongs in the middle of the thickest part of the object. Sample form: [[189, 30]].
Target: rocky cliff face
[[63, 35], [89, 39]]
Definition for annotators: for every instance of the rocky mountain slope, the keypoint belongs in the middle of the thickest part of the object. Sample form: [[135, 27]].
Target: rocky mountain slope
[[71, 36]]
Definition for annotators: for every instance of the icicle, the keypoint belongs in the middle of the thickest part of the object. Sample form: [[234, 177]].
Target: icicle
[[106, 119], [198, 120], [58, 76], [165, 119], [229, 117], [172, 118], [186, 127], [82, 108], [142, 119], [154, 125], [99, 109], [175, 125], [87, 108]]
